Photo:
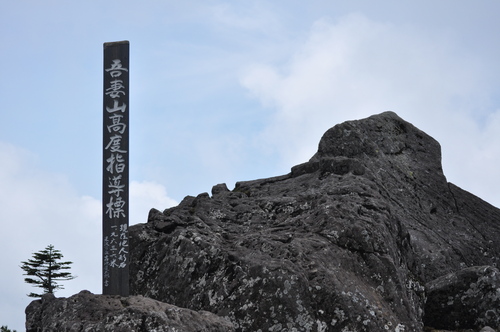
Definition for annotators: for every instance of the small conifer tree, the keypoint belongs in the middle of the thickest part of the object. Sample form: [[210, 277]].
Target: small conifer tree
[[46, 267], [6, 329]]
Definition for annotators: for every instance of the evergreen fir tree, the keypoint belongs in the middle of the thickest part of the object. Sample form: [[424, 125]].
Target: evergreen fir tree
[[47, 269], [6, 329]]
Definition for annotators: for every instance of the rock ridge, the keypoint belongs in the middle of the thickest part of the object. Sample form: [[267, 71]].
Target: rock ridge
[[368, 235], [88, 312], [350, 240]]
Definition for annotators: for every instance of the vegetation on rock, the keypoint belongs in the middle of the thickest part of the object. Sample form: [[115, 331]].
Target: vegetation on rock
[[47, 269]]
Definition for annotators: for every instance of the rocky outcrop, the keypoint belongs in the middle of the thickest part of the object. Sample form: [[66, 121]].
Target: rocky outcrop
[[367, 235], [464, 299], [353, 240], [88, 312]]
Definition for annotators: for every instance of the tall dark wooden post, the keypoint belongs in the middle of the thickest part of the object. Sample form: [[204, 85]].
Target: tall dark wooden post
[[115, 180]]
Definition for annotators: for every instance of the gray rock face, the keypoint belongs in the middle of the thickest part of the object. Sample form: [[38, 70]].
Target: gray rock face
[[464, 299], [88, 312], [345, 242]]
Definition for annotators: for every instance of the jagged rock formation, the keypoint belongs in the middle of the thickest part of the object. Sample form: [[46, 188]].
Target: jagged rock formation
[[353, 240], [366, 236], [88, 312]]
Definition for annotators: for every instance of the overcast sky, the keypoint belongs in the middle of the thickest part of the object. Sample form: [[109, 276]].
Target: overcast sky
[[221, 91]]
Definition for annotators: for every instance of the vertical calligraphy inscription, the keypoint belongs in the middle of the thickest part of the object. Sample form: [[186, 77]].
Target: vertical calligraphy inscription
[[115, 180]]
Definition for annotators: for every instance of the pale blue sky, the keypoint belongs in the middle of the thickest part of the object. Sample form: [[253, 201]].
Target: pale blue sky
[[222, 91]]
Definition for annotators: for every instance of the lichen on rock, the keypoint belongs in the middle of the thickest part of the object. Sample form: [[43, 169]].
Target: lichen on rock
[[345, 241]]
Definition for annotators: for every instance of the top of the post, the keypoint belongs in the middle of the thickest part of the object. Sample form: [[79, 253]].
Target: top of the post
[[109, 44]]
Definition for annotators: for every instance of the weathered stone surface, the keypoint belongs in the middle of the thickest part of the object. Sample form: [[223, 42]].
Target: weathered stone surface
[[366, 236], [88, 312], [345, 242], [464, 299], [487, 329]]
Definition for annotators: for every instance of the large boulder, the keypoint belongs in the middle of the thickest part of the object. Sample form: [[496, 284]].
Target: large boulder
[[464, 299], [88, 312], [344, 242]]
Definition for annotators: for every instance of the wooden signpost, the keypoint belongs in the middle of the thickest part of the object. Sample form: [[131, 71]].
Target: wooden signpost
[[115, 181]]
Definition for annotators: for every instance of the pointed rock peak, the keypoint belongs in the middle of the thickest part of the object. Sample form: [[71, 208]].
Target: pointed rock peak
[[383, 133], [381, 137]]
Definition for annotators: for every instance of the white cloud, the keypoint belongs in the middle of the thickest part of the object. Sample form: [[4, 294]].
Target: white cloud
[[471, 154], [253, 17], [38, 208], [356, 67], [145, 195]]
